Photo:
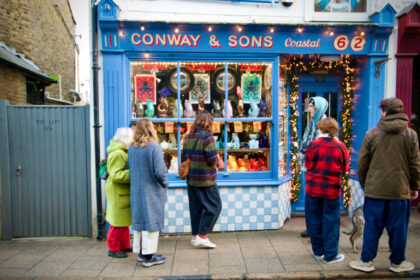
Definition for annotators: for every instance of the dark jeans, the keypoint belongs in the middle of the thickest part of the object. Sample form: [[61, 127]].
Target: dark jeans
[[205, 206], [323, 223], [392, 215]]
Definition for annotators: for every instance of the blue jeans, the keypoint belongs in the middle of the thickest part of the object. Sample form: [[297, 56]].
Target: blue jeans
[[323, 223], [392, 215], [205, 206]]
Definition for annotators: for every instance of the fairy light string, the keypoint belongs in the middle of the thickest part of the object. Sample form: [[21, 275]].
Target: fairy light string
[[296, 66]]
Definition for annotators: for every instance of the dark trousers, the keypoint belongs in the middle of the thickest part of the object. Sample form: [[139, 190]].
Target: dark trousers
[[205, 206], [323, 223], [392, 215], [118, 238]]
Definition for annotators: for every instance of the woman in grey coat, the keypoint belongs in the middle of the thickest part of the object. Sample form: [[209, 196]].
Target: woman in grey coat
[[148, 189]]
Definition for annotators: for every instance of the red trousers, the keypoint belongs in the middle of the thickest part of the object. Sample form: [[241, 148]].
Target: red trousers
[[118, 238]]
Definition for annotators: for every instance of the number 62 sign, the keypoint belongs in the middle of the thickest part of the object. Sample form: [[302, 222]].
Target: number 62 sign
[[341, 42]]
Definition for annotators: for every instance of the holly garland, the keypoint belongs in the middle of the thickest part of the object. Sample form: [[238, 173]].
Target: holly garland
[[292, 68]]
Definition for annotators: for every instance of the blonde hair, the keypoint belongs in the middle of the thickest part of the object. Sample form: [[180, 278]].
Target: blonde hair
[[145, 133], [328, 125], [124, 135]]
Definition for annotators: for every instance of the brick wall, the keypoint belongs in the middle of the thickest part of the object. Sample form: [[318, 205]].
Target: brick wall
[[12, 85], [36, 29]]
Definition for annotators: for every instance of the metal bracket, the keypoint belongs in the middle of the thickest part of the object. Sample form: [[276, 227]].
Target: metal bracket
[[378, 66]]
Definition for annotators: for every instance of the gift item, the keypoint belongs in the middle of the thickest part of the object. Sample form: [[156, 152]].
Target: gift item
[[254, 110], [220, 163], [163, 107], [174, 165], [253, 165], [263, 108], [232, 165], [263, 140], [242, 165], [150, 109], [172, 141], [164, 145], [200, 99], [188, 112], [165, 92], [253, 144], [229, 110], [140, 109], [216, 111], [235, 144], [262, 164], [241, 111]]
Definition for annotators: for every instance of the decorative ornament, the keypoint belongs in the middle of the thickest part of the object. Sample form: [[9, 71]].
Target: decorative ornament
[[165, 92], [347, 82], [241, 111], [150, 109]]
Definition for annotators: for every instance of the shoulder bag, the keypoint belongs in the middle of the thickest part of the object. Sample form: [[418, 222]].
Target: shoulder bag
[[184, 168]]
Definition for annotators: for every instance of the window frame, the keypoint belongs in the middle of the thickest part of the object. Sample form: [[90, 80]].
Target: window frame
[[311, 15], [224, 178]]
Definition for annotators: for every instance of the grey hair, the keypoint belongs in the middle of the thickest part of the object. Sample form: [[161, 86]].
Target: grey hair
[[124, 135]]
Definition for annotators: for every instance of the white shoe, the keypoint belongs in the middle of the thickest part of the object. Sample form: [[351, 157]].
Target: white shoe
[[319, 258], [338, 258], [194, 241], [202, 243], [404, 266], [362, 266]]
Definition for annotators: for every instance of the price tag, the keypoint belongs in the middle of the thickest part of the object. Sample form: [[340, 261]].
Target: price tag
[[216, 127], [169, 127], [341, 42], [257, 126], [238, 127], [358, 43]]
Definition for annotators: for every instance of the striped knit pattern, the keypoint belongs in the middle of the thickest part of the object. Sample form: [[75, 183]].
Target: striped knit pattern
[[203, 160]]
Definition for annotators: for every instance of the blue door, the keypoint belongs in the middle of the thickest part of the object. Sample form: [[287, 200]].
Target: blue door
[[310, 86]]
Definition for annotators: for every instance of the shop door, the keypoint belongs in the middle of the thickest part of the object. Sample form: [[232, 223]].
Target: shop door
[[415, 109], [45, 171], [328, 88]]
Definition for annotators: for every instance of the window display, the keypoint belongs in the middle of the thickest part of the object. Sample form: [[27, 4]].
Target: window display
[[237, 94]]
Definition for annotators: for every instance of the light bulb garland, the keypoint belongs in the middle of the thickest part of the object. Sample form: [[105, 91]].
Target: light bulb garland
[[347, 80]]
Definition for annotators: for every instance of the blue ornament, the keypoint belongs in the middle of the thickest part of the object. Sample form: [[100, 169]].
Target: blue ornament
[[165, 92]]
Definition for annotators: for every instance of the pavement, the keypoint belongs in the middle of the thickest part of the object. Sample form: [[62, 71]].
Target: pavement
[[273, 254]]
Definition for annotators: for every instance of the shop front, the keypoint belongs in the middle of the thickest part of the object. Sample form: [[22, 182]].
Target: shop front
[[256, 81]]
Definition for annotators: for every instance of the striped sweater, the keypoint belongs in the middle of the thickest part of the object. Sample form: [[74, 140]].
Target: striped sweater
[[203, 161]]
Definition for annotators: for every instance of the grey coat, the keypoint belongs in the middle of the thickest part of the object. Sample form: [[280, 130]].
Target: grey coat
[[148, 187]]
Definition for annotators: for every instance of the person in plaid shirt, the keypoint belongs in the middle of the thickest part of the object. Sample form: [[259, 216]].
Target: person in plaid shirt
[[327, 159]]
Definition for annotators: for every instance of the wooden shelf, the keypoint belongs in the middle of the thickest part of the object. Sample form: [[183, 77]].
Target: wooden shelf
[[245, 150]]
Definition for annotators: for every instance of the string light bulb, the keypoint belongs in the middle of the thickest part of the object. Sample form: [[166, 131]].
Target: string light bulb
[[299, 29], [142, 28], [176, 30], [210, 29], [271, 30], [240, 28], [332, 33], [146, 55]]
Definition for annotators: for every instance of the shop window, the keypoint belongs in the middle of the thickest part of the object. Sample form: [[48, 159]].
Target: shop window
[[237, 94], [340, 6]]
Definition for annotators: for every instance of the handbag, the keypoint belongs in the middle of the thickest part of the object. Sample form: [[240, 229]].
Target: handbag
[[184, 168]]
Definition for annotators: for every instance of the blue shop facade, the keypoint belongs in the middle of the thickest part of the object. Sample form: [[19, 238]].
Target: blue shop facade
[[169, 71]]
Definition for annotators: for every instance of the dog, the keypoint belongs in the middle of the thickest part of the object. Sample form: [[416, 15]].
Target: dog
[[358, 224]]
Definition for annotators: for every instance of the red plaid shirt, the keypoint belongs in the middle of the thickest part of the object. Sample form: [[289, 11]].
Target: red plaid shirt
[[327, 159]]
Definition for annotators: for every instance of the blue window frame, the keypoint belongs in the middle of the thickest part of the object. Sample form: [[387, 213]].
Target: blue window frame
[[171, 82]]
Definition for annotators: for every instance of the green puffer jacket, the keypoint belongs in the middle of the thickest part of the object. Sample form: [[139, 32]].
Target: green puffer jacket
[[117, 188], [389, 160]]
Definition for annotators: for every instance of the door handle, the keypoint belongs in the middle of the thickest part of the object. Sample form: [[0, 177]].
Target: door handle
[[18, 170]]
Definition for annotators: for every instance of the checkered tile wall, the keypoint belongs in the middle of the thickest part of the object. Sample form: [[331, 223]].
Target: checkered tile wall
[[244, 208]]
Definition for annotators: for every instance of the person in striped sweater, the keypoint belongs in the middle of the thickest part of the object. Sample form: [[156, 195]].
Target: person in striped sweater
[[203, 195]]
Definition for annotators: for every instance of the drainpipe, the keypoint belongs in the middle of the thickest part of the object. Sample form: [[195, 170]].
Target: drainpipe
[[96, 124]]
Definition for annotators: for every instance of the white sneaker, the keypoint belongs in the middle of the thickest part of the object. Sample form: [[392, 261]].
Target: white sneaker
[[338, 258], [202, 243], [319, 258], [362, 266], [194, 241], [404, 266]]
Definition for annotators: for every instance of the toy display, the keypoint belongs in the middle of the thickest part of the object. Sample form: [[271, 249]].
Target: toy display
[[229, 109], [216, 111], [232, 164], [220, 164], [162, 108], [188, 112], [241, 111], [254, 110]]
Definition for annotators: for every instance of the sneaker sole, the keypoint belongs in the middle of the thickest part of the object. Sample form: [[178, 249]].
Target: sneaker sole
[[364, 269], [397, 270], [154, 263]]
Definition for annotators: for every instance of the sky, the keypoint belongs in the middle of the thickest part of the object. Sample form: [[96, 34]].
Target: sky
[[81, 14]]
